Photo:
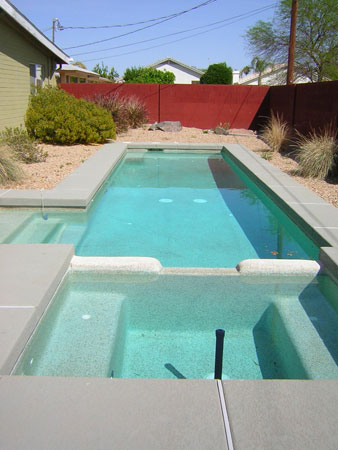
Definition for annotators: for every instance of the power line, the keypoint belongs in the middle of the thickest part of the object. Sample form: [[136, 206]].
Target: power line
[[241, 16], [143, 28], [139, 23], [176, 40]]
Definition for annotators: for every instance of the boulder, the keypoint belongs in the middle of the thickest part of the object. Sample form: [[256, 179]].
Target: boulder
[[221, 130], [167, 125]]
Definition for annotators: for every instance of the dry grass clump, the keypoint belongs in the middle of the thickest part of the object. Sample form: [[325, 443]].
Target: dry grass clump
[[318, 153], [9, 168], [127, 112], [23, 146], [275, 133]]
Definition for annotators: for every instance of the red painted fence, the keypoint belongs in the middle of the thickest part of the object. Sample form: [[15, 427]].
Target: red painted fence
[[200, 106], [304, 106]]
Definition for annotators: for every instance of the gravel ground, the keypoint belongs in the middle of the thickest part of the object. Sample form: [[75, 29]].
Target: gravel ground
[[62, 160]]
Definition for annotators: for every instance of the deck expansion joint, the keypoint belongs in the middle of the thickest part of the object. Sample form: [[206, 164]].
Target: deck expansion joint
[[225, 415]]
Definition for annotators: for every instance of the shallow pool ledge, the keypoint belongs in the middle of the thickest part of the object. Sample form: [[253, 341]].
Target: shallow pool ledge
[[116, 264], [286, 267]]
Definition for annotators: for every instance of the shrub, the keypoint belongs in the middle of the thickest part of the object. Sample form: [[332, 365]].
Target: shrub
[[57, 117], [275, 133], [126, 112], [136, 112], [147, 75], [318, 153], [217, 74], [23, 146], [9, 168]]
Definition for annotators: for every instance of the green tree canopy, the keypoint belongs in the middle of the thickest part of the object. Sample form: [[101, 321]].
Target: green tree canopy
[[316, 52], [147, 75], [103, 71], [217, 74]]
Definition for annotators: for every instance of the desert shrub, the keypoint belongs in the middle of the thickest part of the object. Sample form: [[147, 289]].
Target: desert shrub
[[115, 106], [57, 117], [276, 133], [126, 112], [9, 167], [25, 148], [136, 112], [318, 153]]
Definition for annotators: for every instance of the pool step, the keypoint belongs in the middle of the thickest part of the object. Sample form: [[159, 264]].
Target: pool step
[[290, 324], [39, 231], [73, 234]]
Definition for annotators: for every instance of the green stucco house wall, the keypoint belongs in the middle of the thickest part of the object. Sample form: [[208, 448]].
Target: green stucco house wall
[[27, 59]]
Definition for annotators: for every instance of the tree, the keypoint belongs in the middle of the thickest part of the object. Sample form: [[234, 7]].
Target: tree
[[79, 64], [102, 70], [259, 66], [147, 75], [245, 70], [217, 74], [316, 52]]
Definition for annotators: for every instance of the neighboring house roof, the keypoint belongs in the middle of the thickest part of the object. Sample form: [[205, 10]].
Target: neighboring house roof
[[27, 25], [267, 72], [178, 63], [72, 68]]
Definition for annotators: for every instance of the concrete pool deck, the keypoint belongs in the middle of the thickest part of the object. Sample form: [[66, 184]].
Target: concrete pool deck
[[93, 413]]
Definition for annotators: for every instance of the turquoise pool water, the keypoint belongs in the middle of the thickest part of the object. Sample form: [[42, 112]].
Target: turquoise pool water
[[186, 210], [163, 326]]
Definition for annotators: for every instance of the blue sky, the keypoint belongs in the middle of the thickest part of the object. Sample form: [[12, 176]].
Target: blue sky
[[226, 43]]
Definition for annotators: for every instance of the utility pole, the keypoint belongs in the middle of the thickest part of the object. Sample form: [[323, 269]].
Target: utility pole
[[292, 42], [55, 24]]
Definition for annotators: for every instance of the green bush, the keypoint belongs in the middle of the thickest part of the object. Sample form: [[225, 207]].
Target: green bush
[[24, 147], [9, 168], [217, 74], [127, 112], [147, 75], [56, 117]]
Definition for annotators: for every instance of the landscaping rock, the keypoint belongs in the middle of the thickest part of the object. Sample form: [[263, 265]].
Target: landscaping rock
[[221, 130], [153, 127], [167, 126]]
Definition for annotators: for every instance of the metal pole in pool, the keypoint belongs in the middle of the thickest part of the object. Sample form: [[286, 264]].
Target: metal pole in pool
[[219, 354]]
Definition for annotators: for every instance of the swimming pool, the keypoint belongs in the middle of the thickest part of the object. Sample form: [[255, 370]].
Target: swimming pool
[[187, 210], [163, 326]]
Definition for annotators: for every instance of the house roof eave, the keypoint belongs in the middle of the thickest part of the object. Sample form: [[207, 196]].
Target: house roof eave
[[27, 25]]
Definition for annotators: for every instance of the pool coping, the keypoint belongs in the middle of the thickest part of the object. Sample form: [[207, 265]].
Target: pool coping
[[24, 279]]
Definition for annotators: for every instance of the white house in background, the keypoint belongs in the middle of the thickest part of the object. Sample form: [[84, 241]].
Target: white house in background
[[272, 76], [183, 74]]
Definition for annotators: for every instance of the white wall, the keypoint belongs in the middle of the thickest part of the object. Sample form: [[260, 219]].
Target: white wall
[[182, 75]]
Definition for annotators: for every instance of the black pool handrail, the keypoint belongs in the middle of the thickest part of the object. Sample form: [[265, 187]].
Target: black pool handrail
[[219, 353]]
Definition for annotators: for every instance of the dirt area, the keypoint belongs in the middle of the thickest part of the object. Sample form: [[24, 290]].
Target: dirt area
[[62, 160], [328, 190]]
